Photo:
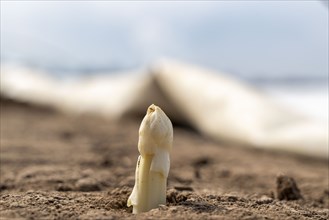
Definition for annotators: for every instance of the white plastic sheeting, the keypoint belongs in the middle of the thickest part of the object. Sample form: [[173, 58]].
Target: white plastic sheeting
[[216, 105]]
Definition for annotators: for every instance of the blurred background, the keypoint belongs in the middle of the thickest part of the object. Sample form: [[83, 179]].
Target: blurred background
[[280, 47]]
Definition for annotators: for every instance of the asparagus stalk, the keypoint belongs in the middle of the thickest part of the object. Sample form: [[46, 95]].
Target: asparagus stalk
[[153, 164]]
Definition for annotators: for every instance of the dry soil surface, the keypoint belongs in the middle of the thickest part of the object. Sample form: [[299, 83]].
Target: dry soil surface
[[55, 166]]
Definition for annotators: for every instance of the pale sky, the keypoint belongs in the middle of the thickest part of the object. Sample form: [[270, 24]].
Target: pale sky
[[248, 38]]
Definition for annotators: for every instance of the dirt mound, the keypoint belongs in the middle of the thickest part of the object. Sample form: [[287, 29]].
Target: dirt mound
[[54, 166]]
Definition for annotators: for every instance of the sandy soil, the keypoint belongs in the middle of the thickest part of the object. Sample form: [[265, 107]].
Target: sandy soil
[[54, 166]]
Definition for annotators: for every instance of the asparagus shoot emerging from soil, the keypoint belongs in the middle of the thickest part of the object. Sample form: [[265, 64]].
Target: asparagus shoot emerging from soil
[[154, 146]]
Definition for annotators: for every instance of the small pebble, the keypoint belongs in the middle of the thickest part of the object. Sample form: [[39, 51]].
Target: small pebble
[[264, 200], [287, 188], [87, 185]]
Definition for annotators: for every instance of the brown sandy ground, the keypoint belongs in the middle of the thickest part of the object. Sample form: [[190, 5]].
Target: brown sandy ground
[[54, 166]]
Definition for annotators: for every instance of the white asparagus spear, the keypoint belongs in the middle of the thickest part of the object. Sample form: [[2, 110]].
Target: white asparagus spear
[[154, 145]]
